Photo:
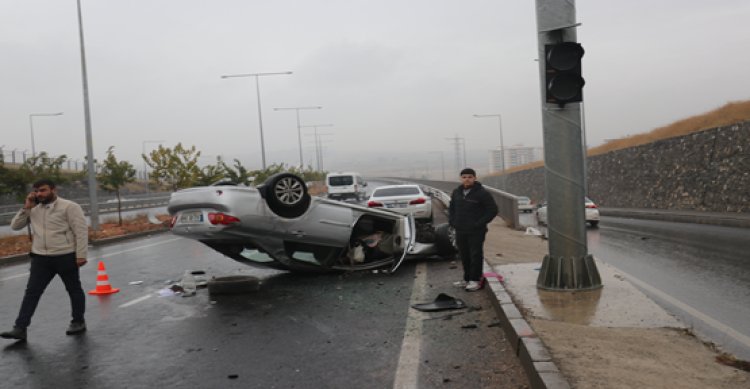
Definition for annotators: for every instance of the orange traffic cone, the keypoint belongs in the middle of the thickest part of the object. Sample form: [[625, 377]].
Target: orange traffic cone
[[102, 282]]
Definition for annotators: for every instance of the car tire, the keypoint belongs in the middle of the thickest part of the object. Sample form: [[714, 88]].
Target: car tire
[[286, 194], [594, 223], [445, 240], [233, 284]]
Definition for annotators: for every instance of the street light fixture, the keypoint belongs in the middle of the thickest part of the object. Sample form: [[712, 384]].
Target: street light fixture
[[31, 126], [318, 151], [299, 132], [260, 117], [502, 147]]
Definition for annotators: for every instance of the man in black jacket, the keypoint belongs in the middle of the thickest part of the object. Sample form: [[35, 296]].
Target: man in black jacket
[[472, 208]]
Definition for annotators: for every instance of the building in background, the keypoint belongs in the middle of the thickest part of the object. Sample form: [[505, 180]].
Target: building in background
[[516, 155]]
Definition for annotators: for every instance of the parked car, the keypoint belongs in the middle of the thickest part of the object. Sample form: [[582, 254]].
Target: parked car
[[348, 185], [525, 204], [405, 199], [592, 213], [279, 225]]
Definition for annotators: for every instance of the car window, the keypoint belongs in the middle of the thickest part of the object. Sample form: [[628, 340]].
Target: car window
[[340, 180], [402, 191]]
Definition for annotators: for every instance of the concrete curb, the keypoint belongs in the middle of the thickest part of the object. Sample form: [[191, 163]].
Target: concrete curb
[[531, 351], [19, 258]]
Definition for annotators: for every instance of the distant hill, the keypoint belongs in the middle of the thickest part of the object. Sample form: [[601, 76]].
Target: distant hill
[[730, 113]]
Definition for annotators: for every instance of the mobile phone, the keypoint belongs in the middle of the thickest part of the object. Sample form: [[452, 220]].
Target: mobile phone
[[36, 200]]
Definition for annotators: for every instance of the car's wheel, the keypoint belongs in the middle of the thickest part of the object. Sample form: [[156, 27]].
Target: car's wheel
[[233, 285], [445, 240], [286, 195], [594, 223]]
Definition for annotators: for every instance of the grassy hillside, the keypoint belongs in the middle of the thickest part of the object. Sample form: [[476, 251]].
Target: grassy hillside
[[731, 113]]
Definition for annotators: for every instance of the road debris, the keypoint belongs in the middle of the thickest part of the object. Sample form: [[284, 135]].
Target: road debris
[[441, 303]]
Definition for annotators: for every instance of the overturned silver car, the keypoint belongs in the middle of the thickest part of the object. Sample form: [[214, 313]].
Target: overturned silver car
[[280, 225]]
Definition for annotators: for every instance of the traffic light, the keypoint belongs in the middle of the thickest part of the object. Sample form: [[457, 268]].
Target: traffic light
[[562, 63]]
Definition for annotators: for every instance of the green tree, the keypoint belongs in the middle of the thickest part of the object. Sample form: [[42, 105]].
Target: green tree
[[16, 181], [176, 168], [211, 173], [11, 181], [307, 174], [238, 173], [113, 175]]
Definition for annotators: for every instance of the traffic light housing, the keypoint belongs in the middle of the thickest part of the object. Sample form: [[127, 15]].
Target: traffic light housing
[[563, 81]]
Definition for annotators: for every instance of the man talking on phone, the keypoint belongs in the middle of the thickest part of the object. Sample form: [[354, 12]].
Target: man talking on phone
[[59, 247]]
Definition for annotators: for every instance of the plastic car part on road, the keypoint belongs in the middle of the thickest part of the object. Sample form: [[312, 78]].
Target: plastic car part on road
[[233, 285]]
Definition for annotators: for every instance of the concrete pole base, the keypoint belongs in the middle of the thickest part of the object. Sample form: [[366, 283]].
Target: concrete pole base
[[569, 274]]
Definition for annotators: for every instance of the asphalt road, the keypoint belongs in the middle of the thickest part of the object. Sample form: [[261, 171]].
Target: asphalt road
[[699, 273], [296, 331]]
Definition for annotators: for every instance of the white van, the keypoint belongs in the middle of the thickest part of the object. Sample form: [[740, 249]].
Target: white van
[[346, 185]]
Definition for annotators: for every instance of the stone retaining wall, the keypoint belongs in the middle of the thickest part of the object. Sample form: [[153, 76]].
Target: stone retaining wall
[[702, 171]]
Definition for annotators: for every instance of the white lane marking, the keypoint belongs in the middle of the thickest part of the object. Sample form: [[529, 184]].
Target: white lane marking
[[15, 276], [717, 325], [138, 248], [407, 372], [136, 301]]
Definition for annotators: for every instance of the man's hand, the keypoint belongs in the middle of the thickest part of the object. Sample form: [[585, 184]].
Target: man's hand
[[30, 201], [81, 261]]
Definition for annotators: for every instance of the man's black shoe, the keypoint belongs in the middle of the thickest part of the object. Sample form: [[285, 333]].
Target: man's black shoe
[[15, 333], [76, 327]]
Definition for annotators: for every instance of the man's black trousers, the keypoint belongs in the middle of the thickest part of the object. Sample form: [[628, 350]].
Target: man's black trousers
[[471, 250], [43, 270]]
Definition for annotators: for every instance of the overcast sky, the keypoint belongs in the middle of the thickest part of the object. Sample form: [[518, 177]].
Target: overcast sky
[[395, 78]]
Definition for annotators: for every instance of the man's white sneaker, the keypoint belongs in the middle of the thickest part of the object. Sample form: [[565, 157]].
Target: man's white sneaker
[[473, 286], [460, 284]]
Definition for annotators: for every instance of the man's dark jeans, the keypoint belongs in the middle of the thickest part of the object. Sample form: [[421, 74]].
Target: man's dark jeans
[[471, 249], [43, 270]]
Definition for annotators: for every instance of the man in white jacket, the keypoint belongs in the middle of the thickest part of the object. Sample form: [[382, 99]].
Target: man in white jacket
[[59, 247]]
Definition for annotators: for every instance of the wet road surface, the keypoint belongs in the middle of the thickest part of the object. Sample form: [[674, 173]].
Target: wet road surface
[[297, 331]]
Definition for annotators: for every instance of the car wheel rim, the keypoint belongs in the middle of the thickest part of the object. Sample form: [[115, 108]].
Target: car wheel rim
[[289, 191]]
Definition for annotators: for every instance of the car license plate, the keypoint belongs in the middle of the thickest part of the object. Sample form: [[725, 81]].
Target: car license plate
[[191, 217], [395, 205]]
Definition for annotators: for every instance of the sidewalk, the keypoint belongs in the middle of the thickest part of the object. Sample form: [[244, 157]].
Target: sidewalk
[[615, 337]]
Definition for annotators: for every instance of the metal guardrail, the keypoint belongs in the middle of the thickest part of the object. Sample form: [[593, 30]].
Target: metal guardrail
[[507, 204], [8, 211]]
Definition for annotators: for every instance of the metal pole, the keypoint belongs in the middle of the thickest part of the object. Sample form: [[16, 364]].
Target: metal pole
[[260, 115], [260, 123], [502, 146], [463, 144], [502, 151], [94, 202], [299, 140], [442, 164], [585, 152], [568, 265], [299, 131], [31, 125]]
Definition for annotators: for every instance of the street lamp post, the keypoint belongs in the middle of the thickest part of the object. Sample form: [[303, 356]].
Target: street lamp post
[[260, 116], [502, 147], [31, 126], [299, 131], [93, 201], [318, 156], [145, 165]]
